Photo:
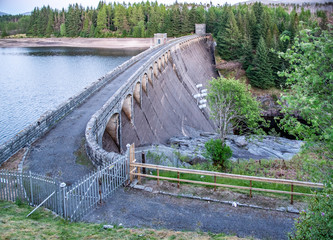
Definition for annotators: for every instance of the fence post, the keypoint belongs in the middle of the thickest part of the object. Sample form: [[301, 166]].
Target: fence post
[[128, 153], [250, 188], [158, 177], [291, 195], [143, 161], [99, 184], [178, 184], [139, 177], [63, 199], [215, 182], [31, 193]]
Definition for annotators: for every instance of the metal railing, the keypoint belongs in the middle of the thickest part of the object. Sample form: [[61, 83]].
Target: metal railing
[[136, 171], [71, 202]]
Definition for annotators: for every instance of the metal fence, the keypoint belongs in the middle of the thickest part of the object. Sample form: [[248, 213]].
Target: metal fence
[[93, 189], [71, 202]]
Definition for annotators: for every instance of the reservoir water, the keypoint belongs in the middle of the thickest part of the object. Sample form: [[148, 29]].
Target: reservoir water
[[34, 80]]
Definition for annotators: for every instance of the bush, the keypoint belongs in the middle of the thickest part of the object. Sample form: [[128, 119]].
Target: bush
[[317, 222], [218, 152]]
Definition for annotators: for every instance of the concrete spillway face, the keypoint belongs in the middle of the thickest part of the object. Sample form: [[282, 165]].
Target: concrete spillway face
[[112, 128]]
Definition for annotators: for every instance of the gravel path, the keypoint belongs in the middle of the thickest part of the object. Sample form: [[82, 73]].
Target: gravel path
[[136, 208]]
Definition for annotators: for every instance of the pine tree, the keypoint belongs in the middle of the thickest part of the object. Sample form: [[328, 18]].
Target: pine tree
[[49, 29], [101, 22], [260, 73], [228, 39]]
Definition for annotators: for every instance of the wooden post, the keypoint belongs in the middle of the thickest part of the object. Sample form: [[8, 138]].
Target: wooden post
[[250, 188], [215, 183], [291, 195], [178, 185], [139, 177], [143, 161], [158, 177]]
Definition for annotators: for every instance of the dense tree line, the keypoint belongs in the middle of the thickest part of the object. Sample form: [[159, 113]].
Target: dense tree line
[[251, 34], [254, 34], [112, 20]]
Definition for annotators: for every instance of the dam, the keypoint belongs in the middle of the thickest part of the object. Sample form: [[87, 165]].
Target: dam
[[146, 100]]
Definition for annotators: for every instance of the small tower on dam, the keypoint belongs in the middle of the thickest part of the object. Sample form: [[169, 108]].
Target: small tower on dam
[[160, 38], [200, 29]]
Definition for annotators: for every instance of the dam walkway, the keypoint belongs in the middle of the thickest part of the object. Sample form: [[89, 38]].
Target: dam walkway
[[56, 154]]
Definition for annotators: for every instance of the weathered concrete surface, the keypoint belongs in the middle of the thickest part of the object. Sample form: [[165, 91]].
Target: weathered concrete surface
[[168, 107], [136, 208], [53, 154]]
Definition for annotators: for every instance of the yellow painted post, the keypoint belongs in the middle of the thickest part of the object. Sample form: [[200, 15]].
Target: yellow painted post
[[139, 177]]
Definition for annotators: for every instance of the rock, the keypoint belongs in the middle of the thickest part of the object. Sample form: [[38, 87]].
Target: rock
[[107, 226], [241, 141], [148, 189], [281, 209], [292, 210], [185, 151], [140, 187]]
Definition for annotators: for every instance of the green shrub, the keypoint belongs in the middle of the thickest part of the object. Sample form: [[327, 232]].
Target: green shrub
[[218, 152], [317, 222]]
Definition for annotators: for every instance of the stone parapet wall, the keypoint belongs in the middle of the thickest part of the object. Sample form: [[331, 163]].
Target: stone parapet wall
[[96, 126], [50, 118]]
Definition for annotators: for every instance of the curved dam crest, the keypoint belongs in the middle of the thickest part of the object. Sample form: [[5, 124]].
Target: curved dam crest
[[156, 104], [151, 101], [166, 107]]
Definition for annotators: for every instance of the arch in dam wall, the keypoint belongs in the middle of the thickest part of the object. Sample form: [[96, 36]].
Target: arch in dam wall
[[113, 128], [150, 74], [120, 107], [155, 68], [127, 107], [137, 92], [145, 83]]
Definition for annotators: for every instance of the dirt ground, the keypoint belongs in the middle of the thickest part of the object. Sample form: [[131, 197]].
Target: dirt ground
[[223, 194], [13, 162]]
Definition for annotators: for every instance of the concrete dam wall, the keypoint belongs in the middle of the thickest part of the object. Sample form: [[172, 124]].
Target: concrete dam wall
[[157, 104]]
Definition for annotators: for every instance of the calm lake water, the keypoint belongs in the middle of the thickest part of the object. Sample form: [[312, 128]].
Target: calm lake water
[[34, 80]]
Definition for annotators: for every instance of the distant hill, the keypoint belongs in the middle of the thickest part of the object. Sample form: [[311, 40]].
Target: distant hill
[[2, 13], [285, 1]]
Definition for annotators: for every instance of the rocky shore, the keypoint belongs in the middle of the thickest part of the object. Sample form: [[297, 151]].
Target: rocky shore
[[109, 43]]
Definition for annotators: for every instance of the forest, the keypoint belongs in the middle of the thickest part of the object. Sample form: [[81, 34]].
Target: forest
[[250, 34]]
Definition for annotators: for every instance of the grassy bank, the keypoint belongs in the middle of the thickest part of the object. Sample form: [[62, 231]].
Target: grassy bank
[[44, 225]]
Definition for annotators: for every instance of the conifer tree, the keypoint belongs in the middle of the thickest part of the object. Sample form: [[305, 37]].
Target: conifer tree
[[260, 73], [228, 40]]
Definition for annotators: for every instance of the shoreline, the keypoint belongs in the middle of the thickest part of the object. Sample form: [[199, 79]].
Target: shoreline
[[106, 43]]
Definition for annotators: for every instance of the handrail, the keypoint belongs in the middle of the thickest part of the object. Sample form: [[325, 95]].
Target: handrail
[[229, 175], [138, 166]]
